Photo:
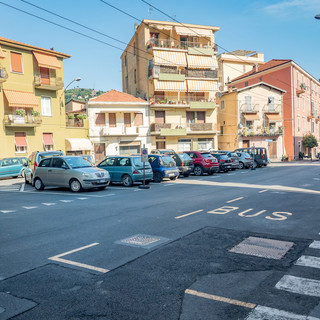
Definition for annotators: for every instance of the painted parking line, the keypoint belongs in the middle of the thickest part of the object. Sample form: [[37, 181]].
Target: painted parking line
[[299, 285], [7, 211], [236, 199], [262, 191], [188, 214], [22, 187], [82, 198], [308, 261], [77, 264], [66, 201], [29, 208], [49, 203], [315, 245]]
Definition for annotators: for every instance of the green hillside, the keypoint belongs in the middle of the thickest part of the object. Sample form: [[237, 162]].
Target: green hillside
[[81, 94]]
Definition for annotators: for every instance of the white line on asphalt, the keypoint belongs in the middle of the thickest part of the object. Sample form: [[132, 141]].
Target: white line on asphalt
[[74, 263], [22, 187], [233, 200], [29, 208], [261, 191], [136, 190], [168, 184], [316, 178], [230, 174], [299, 285], [188, 214], [83, 198], [7, 211], [111, 194], [48, 204], [308, 261], [66, 201], [315, 245]]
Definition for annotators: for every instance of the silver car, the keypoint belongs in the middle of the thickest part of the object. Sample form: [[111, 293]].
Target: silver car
[[70, 172], [245, 160]]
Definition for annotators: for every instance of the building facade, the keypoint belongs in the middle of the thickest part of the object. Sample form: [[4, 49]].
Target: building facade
[[118, 124], [301, 102], [252, 117], [32, 109], [174, 67]]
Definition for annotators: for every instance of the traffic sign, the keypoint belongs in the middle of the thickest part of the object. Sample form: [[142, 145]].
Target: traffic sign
[[144, 155]]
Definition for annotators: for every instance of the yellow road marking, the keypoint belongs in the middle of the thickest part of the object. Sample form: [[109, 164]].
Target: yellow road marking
[[188, 214], [221, 299], [234, 199], [78, 264]]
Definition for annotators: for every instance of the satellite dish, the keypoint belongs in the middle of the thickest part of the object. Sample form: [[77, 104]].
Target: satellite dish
[[219, 94]]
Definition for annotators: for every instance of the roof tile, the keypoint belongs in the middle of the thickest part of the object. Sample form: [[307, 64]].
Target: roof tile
[[116, 96]]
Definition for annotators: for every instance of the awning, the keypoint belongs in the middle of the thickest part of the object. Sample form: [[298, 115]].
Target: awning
[[174, 86], [201, 62], [274, 117], [21, 99], [170, 58], [195, 32], [251, 117], [47, 61], [2, 55], [78, 144], [47, 139], [130, 143], [202, 85], [20, 139]]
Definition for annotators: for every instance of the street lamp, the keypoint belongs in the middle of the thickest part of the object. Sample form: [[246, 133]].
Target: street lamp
[[75, 79], [317, 16]]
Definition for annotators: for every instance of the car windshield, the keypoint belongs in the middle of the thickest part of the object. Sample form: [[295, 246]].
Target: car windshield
[[168, 162], [77, 162], [206, 155], [184, 156], [49, 155], [137, 163]]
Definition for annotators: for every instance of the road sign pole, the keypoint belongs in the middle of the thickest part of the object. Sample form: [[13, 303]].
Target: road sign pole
[[144, 159], [253, 151]]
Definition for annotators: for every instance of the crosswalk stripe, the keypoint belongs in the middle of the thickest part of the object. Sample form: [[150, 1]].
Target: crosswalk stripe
[[48, 204], [299, 285], [7, 211], [308, 261], [82, 198], [28, 208], [315, 245], [66, 201]]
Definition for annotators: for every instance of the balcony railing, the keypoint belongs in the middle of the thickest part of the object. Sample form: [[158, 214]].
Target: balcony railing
[[196, 73], [3, 74], [191, 73], [272, 108], [266, 131], [249, 108], [54, 83], [173, 100], [189, 127], [23, 121], [174, 44], [75, 123]]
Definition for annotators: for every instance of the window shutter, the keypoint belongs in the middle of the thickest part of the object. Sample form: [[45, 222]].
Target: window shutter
[[44, 75], [127, 120], [112, 120], [16, 62], [138, 119], [100, 119]]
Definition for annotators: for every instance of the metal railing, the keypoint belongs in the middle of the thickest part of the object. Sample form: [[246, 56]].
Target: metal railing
[[74, 123], [198, 73], [265, 131], [172, 100], [174, 44], [249, 107], [190, 127], [272, 108], [3, 74], [13, 119], [54, 83]]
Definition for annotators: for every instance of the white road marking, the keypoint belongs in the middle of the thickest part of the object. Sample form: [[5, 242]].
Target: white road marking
[[233, 200], [66, 201], [261, 191], [316, 178], [315, 245], [83, 198], [29, 208], [22, 187], [308, 261], [7, 211], [74, 263], [136, 190], [307, 185], [48, 204], [112, 194], [262, 312], [299, 285], [188, 214]]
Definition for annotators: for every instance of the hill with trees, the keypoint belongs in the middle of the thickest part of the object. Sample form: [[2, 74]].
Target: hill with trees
[[81, 94]]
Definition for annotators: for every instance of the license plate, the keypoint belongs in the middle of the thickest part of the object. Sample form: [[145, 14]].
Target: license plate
[[102, 180]]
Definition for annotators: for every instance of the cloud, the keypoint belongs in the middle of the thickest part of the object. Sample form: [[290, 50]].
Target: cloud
[[289, 6]]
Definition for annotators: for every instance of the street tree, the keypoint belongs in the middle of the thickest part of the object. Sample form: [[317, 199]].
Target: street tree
[[309, 141]]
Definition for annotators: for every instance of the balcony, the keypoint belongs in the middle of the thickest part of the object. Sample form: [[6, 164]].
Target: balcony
[[249, 108], [272, 108], [192, 102], [311, 115], [205, 74], [263, 132], [3, 74], [181, 45], [13, 120], [75, 123], [181, 129], [52, 84], [301, 89], [119, 130]]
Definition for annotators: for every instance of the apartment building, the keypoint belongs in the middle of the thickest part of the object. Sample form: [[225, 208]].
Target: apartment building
[[236, 63], [252, 117], [301, 102], [32, 107], [174, 67], [118, 124]]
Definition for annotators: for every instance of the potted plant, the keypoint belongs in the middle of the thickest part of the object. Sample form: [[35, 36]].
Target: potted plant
[[82, 116], [35, 113], [20, 112], [19, 116], [70, 116], [285, 158]]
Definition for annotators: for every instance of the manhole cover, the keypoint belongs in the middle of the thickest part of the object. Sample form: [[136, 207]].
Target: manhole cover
[[143, 240], [261, 247]]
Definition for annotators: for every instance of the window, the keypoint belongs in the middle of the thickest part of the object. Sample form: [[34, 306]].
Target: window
[[297, 79], [184, 145], [160, 116], [129, 149], [135, 75], [59, 163], [304, 126], [126, 82], [100, 119], [308, 84], [248, 104], [125, 61], [298, 122], [108, 162], [127, 119], [299, 146], [16, 62], [124, 162], [222, 105], [160, 144], [298, 102], [45, 75], [48, 142], [312, 127], [112, 120], [138, 119], [221, 129], [45, 163], [204, 144], [134, 48], [271, 103], [20, 142], [46, 106], [249, 123], [246, 84], [302, 103]]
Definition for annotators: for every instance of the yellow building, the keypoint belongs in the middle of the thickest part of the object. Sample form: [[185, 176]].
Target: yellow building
[[174, 67], [32, 110]]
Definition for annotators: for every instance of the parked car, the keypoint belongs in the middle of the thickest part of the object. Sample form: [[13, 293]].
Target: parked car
[[126, 169], [183, 162], [260, 155], [233, 156], [203, 162], [12, 167], [224, 161], [34, 160], [71, 172], [245, 160], [89, 158], [163, 166]]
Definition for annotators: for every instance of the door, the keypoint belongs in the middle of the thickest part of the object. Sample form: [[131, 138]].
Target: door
[[160, 145], [272, 149], [245, 144], [58, 174], [45, 76], [99, 152], [43, 169], [109, 165], [190, 117], [160, 116]]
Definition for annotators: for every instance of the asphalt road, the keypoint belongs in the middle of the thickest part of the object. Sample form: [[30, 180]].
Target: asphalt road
[[243, 245]]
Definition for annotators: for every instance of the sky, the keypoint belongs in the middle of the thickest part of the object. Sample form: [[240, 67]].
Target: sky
[[280, 29]]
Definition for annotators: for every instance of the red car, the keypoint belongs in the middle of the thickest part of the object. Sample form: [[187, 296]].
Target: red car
[[203, 162]]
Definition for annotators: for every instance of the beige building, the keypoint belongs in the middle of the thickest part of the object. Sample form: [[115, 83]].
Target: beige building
[[174, 67], [252, 116], [236, 63]]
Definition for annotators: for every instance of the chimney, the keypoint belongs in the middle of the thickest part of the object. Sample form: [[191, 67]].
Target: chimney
[[255, 67]]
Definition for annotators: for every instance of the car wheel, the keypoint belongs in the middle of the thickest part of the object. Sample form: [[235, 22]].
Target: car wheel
[[75, 185], [157, 177], [241, 165], [198, 171], [186, 175], [127, 180], [174, 178], [38, 184]]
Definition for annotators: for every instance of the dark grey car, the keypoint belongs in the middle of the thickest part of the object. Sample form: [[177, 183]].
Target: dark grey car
[[69, 172]]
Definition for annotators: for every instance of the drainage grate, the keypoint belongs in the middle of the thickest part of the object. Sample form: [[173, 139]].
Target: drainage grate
[[143, 240], [261, 247]]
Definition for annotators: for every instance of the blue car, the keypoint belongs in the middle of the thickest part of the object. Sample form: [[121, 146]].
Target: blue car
[[163, 166], [12, 167]]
